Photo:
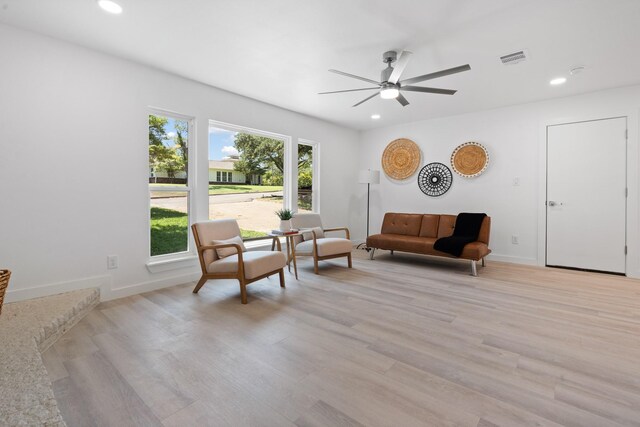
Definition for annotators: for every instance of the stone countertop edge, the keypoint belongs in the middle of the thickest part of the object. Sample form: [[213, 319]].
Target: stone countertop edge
[[28, 328]]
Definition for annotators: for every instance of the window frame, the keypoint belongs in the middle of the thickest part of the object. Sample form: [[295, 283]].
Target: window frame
[[315, 171], [287, 147], [189, 188]]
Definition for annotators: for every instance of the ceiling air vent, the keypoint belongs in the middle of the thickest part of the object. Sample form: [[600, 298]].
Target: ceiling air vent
[[514, 58]]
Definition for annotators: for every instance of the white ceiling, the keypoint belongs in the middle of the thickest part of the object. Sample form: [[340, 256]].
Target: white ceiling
[[279, 51]]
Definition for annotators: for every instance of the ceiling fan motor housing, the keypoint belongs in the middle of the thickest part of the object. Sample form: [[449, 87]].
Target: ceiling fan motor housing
[[388, 58]]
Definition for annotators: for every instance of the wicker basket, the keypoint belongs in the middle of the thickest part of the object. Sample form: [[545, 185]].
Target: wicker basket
[[4, 282]]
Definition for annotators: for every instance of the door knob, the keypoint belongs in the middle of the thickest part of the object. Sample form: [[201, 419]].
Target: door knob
[[552, 203]]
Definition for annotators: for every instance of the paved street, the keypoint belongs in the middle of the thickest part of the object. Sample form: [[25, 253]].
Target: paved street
[[251, 210]]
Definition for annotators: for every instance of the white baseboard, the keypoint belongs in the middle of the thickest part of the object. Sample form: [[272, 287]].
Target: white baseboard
[[102, 282], [512, 259], [152, 285]]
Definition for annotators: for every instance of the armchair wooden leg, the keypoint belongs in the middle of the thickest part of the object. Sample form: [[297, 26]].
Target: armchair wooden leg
[[243, 291], [200, 284], [315, 265], [281, 277], [483, 263], [349, 261]]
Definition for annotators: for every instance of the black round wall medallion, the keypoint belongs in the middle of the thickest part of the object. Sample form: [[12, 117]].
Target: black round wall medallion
[[435, 179]]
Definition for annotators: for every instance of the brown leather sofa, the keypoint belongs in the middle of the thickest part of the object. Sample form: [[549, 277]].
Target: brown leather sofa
[[417, 233]]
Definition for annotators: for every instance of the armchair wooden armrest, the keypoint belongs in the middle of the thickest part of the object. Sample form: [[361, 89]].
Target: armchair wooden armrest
[[201, 249], [345, 229]]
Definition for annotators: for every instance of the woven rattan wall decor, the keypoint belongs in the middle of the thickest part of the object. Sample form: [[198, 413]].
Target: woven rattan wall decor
[[401, 158], [469, 159]]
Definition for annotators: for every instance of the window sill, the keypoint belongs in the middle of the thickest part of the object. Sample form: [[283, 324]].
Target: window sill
[[173, 263]]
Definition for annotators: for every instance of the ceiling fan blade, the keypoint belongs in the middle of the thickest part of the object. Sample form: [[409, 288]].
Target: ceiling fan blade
[[402, 100], [399, 66], [353, 76], [429, 90], [365, 100], [348, 90], [435, 75]]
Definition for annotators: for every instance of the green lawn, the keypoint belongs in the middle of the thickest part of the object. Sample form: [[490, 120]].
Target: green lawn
[[230, 188], [169, 231], [220, 189]]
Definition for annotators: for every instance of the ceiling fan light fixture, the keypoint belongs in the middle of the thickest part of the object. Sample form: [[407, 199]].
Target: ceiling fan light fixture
[[558, 81], [389, 93], [375, 116]]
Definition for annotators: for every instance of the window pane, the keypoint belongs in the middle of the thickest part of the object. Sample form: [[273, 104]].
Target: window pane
[[251, 187], [168, 150], [305, 178], [169, 222]]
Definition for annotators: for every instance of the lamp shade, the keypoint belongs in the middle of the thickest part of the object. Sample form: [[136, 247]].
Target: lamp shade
[[369, 176]]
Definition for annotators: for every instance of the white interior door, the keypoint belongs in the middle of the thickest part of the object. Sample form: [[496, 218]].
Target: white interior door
[[586, 195]]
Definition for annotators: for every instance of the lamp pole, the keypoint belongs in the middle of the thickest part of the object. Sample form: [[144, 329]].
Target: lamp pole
[[368, 177], [368, 191]]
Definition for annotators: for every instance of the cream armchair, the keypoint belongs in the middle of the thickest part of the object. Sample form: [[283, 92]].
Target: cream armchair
[[313, 242], [217, 263]]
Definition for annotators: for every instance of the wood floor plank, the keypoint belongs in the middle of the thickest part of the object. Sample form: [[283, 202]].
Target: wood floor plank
[[108, 397], [401, 340]]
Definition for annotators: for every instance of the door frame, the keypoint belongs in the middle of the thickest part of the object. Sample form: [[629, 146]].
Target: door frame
[[632, 213]]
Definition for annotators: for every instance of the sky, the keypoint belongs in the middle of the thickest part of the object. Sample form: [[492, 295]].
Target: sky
[[221, 144], [220, 140]]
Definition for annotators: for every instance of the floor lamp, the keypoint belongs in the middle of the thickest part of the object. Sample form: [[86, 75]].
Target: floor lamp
[[368, 177]]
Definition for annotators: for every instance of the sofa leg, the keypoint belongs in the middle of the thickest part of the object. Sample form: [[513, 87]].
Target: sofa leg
[[391, 251], [483, 264], [371, 252], [474, 271]]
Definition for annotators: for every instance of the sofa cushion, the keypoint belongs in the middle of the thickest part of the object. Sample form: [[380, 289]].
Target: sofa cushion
[[399, 242], [429, 227], [403, 224], [474, 250], [446, 225], [485, 230], [256, 263], [327, 246]]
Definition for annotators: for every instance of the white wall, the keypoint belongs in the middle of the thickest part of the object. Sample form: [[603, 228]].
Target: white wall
[[82, 116], [515, 139]]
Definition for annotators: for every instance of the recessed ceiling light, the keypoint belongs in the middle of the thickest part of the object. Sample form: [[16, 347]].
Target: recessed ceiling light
[[375, 116], [110, 6], [558, 81]]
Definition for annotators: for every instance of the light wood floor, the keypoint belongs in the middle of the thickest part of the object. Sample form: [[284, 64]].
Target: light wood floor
[[398, 341]]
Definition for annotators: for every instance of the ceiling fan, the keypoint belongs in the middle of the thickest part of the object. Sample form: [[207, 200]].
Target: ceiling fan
[[391, 86]]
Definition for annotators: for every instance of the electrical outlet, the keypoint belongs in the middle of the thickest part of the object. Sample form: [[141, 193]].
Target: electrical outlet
[[516, 181], [514, 240], [112, 262]]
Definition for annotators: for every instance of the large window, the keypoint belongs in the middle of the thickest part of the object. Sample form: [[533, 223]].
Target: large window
[[169, 183], [247, 174]]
